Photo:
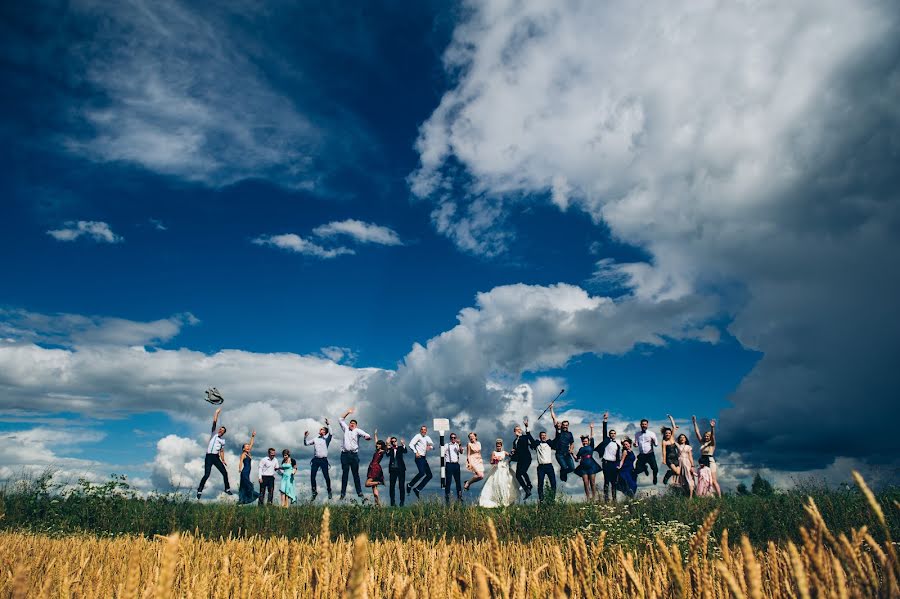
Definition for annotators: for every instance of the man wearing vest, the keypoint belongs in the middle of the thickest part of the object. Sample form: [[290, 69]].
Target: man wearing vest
[[545, 448], [451, 466], [215, 456]]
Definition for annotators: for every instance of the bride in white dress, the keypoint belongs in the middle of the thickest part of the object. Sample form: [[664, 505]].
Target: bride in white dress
[[500, 487]]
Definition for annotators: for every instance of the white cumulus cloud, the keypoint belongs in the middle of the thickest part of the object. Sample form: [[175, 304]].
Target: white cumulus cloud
[[98, 231], [359, 231], [294, 243]]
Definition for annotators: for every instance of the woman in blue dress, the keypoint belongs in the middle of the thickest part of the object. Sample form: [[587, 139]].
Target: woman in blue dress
[[587, 468], [246, 491], [288, 468], [627, 481]]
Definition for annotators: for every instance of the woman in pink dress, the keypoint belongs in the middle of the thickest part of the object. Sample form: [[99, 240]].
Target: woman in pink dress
[[474, 463]]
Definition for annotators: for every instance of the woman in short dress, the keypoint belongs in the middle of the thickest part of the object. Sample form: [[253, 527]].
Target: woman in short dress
[[474, 463], [375, 475], [587, 467], [287, 469], [685, 464], [627, 481], [707, 460], [670, 450]]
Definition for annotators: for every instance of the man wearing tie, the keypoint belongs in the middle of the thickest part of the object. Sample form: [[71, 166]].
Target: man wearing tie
[[350, 453], [397, 469], [451, 465], [420, 444]]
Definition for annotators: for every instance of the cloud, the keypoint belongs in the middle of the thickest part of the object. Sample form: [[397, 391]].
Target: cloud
[[182, 92], [294, 243], [746, 147], [29, 452], [359, 231], [339, 354], [76, 330], [95, 230]]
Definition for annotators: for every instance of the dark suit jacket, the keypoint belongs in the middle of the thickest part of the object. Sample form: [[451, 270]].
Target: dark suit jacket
[[396, 458], [522, 448], [601, 446]]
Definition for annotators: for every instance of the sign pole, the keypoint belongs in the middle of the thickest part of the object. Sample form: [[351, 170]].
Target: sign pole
[[442, 425]]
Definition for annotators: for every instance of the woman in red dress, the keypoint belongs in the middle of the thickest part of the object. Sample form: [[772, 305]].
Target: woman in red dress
[[375, 475]]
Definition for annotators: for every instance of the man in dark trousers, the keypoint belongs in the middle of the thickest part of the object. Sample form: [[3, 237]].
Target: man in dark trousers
[[397, 469], [545, 448], [452, 453], [350, 452], [521, 455], [215, 455], [267, 467], [610, 454], [645, 443], [565, 446]]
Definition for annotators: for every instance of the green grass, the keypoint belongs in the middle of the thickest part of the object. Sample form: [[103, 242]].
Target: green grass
[[112, 509]]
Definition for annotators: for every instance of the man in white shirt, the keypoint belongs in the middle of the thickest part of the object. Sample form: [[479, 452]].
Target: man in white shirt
[[545, 449], [610, 452], [215, 455], [419, 445], [451, 465], [320, 458], [645, 443], [350, 453], [267, 467]]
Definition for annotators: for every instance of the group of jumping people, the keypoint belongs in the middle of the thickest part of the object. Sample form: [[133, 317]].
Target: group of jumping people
[[620, 462]]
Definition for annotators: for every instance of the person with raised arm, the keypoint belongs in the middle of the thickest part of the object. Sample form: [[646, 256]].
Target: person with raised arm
[[215, 455], [645, 442], [375, 474], [350, 452], [474, 461], [319, 460], [545, 448], [610, 457], [397, 469], [246, 492], [267, 467], [452, 453], [588, 467], [707, 449], [627, 480], [420, 445], [565, 446], [521, 455], [670, 450]]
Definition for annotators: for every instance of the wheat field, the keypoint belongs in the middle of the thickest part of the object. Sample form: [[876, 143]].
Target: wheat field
[[823, 565]]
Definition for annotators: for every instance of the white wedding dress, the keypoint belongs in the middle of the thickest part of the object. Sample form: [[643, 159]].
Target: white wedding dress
[[500, 487]]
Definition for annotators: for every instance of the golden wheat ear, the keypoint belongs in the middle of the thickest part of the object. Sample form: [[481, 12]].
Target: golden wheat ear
[[357, 587]]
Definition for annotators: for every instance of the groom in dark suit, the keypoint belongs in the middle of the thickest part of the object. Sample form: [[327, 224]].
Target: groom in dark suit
[[521, 455], [397, 468]]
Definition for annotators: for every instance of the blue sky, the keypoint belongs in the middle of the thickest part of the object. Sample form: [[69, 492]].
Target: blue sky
[[668, 257]]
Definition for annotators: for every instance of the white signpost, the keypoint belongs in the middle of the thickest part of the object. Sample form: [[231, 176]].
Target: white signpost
[[442, 425]]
